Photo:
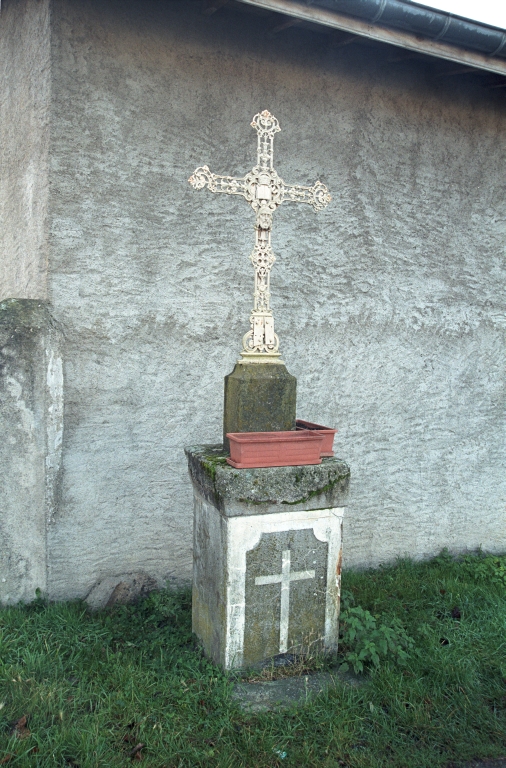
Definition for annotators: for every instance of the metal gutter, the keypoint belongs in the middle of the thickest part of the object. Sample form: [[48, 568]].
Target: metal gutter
[[436, 23]]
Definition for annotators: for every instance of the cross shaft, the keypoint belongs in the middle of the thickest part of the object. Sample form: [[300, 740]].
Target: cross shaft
[[264, 190]]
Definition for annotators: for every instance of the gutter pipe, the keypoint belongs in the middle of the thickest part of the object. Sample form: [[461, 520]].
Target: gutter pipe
[[407, 25]]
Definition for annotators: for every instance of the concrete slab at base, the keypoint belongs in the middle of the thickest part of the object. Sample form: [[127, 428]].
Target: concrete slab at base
[[289, 691], [267, 565]]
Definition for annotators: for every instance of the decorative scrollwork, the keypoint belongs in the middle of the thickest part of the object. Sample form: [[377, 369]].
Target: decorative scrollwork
[[317, 196], [203, 177], [200, 177], [264, 190], [265, 123], [263, 348], [320, 196], [264, 219]]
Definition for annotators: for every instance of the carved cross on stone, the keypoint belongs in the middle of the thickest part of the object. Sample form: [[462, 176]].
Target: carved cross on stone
[[264, 190], [284, 578]]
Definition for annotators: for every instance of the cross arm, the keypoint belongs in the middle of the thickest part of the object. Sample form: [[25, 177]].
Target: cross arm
[[318, 195], [203, 177]]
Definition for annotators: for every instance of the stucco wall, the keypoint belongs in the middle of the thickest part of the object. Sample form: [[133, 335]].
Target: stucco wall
[[388, 304], [24, 137]]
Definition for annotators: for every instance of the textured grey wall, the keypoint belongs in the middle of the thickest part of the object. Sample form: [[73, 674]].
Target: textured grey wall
[[389, 304], [24, 138]]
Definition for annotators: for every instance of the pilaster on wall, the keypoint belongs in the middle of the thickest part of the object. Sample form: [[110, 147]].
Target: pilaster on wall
[[25, 75], [31, 426]]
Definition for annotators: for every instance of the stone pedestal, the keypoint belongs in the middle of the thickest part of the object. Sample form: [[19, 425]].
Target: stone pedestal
[[259, 397], [267, 557]]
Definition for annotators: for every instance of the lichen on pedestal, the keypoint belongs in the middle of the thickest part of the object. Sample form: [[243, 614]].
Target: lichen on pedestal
[[243, 491]]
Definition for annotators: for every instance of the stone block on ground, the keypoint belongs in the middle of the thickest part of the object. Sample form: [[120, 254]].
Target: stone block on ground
[[262, 696], [120, 590]]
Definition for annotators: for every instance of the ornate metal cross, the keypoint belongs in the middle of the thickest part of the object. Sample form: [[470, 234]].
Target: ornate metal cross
[[264, 190]]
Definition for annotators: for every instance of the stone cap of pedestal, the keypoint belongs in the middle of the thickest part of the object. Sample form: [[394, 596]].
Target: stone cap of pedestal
[[266, 490]]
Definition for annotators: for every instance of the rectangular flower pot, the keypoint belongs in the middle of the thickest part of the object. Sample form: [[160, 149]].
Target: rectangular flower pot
[[326, 432], [274, 449]]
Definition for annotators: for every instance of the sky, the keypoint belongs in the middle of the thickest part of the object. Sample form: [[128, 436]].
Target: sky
[[488, 11]]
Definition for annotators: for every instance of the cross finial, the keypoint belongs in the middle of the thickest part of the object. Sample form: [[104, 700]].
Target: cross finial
[[264, 190]]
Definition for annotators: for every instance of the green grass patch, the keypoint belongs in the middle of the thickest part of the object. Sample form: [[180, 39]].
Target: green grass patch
[[431, 638]]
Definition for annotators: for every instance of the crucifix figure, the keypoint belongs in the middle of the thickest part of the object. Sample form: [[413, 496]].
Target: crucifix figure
[[284, 578], [264, 190]]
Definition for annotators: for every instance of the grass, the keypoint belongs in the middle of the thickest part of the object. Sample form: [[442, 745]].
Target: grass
[[93, 687]]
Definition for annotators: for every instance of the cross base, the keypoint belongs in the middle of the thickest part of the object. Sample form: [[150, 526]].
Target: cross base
[[261, 357], [259, 398]]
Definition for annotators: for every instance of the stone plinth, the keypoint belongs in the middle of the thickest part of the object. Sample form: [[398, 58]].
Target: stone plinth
[[267, 557], [259, 397]]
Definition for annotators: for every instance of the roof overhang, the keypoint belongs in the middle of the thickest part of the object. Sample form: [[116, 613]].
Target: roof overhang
[[354, 26]]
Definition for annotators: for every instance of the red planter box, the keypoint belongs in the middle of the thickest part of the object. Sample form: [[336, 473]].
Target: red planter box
[[326, 432], [274, 449]]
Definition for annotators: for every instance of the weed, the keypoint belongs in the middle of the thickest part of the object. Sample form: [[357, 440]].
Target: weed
[[486, 568]]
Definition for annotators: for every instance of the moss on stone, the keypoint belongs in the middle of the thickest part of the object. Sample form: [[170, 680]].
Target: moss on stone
[[318, 491], [24, 313], [223, 486], [211, 461]]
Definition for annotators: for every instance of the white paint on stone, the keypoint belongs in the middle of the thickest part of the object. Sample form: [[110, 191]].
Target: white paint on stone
[[54, 427], [330, 529]]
